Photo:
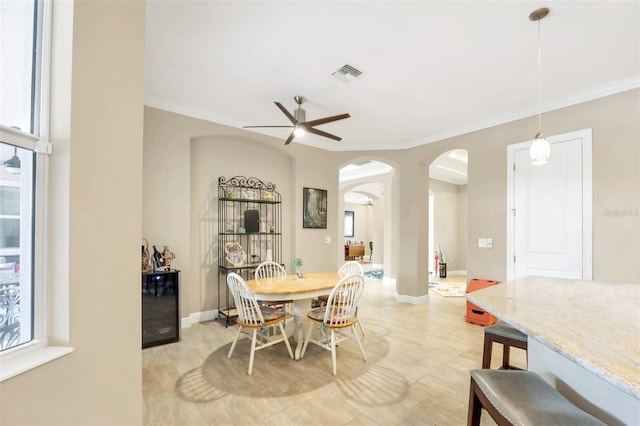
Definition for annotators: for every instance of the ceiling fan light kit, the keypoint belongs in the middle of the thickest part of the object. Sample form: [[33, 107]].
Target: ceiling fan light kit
[[299, 124]]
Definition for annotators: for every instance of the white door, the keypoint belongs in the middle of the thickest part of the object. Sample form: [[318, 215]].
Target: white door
[[550, 226]]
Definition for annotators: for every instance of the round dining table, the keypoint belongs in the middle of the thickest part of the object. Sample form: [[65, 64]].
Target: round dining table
[[302, 290]]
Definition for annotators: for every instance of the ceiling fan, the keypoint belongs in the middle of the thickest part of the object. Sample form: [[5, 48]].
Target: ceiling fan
[[300, 125]]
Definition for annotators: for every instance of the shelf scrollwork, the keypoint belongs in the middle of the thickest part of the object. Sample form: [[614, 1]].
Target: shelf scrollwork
[[245, 182]]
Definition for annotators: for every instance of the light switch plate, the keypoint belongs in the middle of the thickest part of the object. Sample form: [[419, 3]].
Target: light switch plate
[[327, 239]]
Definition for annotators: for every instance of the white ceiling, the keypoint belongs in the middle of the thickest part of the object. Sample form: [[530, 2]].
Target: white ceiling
[[432, 69]]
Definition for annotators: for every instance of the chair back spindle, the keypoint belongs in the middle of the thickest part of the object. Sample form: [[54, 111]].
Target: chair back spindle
[[350, 268], [269, 269], [248, 309], [343, 301]]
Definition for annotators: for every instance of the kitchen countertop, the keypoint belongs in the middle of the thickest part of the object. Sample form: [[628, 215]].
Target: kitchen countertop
[[594, 324]]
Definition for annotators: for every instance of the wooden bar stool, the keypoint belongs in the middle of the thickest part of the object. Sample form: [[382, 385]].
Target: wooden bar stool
[[521, 398], [508, 337]]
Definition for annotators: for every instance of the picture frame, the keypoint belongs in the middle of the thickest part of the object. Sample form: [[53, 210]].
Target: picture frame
[[349, 223], [314, 208]]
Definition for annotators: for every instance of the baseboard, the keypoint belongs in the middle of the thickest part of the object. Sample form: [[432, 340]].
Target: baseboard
[[197, 317], [414, 300]]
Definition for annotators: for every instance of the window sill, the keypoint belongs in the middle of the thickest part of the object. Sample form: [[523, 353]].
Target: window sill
[[24, 362]]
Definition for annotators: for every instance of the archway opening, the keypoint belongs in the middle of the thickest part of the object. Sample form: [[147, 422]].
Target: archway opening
[[448, 213], [365, 191]]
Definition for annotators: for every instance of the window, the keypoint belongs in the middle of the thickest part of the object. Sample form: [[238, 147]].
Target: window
[[16, 246], [348, 223], [18, 34], [22, 178]]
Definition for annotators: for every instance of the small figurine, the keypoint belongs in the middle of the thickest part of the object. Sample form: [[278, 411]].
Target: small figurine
[[168, 257], [145, 259]]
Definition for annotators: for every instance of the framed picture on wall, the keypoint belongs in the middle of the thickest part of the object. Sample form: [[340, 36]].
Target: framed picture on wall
[[349, 223], [314, 208]]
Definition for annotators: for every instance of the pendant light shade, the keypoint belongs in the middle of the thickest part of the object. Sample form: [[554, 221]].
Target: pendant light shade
[[540, 150]]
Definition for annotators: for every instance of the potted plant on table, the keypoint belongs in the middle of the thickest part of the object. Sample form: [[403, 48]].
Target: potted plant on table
[[297, 263]]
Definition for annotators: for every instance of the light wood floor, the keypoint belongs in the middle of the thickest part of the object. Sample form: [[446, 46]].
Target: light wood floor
[[417, 372]]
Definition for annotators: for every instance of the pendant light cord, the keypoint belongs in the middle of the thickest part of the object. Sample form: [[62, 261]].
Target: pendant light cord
[[539, 81]]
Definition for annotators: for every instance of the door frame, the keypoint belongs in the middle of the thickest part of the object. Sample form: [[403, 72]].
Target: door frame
[[585, 136]]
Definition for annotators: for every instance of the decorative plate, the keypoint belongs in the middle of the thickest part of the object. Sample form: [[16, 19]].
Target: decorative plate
[[235, 254]]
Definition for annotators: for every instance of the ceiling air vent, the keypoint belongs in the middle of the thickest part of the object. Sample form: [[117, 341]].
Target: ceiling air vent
[[347, 73]]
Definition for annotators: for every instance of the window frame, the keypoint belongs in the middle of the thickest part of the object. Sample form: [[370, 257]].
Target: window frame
[[350, 215], [29, 355]]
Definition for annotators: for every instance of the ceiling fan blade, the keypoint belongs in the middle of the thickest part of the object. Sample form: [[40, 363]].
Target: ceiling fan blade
[[290, 138], [287, 113], [252, 127], [326, 120], [321, 133]]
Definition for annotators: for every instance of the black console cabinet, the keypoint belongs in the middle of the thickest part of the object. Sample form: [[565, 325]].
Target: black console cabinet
[[160, 308]]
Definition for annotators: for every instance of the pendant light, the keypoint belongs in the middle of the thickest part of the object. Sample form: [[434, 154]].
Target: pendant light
[[540, 150]]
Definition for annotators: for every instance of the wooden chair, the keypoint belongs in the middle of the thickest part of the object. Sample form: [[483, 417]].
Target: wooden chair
[[337, 317], [349, 268], [270, 269], [252, 316]]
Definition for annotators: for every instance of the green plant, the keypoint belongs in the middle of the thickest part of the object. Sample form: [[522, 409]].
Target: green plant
[[297, 262]]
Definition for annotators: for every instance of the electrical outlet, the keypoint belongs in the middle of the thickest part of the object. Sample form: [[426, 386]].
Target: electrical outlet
[[485, 242]]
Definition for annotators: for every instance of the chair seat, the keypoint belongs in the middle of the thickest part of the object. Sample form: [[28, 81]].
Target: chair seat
[[271, 314], [523, 397], [502, 330], [508, 337], [338, 315]]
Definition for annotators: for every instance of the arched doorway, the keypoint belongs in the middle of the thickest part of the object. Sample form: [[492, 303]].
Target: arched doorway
[[448, 211], [365, 189]]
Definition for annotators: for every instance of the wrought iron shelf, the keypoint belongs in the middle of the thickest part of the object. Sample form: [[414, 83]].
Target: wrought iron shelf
[[253, 207]]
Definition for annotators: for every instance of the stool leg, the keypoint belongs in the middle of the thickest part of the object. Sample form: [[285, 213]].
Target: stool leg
[[475, 407], [506, 351], [486, 353]]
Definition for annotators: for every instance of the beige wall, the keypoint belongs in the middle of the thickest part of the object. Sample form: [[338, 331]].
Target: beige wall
[[169, 154], [211, 157], [94, 223], [183, 158], [616, 190], [615, 121]]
